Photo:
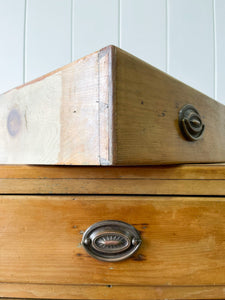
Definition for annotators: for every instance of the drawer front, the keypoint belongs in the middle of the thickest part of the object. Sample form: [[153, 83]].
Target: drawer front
[[183, 242]]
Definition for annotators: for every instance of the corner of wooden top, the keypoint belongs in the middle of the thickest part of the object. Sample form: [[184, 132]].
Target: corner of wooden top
[[110, 48], [107, 70]]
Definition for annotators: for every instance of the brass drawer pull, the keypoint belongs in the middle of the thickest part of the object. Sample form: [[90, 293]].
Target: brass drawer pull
[[111, 240], [190, 123]]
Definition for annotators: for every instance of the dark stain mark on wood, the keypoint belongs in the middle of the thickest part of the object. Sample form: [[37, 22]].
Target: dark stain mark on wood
[[177, 105], [139, 257], [14, 122], [162, 114], [78, 254]]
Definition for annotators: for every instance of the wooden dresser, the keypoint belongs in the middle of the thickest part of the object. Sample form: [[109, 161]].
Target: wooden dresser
[[77, 219], [179, 212]]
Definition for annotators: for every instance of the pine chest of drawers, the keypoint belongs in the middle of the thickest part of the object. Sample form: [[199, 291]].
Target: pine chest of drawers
[[179, 212], [72, 204]]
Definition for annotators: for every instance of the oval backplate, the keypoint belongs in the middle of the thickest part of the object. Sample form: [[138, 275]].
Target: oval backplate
[[111, 240]]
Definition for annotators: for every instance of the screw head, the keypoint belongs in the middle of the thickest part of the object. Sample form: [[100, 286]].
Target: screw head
[[135, 242], [87, 242]]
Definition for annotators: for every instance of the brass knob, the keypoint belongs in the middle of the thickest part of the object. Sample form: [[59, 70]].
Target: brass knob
[[111, 240], [190, 123]]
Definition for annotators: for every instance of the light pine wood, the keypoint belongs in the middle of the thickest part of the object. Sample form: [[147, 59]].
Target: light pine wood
[[183, 240], [108, 108], [173, 172], [159, 180], [146, 121], [182, 255], [55, 119], [111, 292]]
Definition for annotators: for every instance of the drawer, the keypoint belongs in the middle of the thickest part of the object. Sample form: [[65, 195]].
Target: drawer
[[109, 108], [182, 251]]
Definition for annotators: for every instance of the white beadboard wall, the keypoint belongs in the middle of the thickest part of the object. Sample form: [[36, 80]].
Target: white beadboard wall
[[185, 38]]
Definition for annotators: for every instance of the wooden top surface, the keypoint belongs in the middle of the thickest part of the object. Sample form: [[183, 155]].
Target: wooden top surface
[[199, 179], [185, 171]]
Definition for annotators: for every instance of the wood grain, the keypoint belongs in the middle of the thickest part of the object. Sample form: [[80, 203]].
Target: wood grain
[[108, 108], [110, 292], [55, 119], [146, 122], [183, 240], [158, 180], [172, 172]]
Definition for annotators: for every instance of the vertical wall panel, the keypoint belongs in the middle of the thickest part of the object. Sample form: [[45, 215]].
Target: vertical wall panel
[[12, 41], [48, 39], [140, 26], [143, 30], [191, 43], [95, 25], [220, 49]]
